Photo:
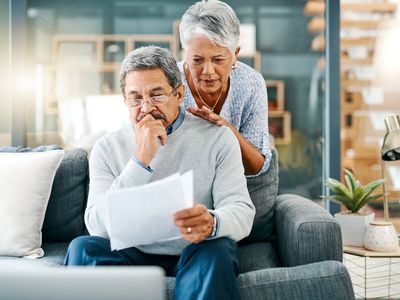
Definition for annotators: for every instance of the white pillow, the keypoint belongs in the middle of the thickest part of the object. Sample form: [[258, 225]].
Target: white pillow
[[25, 185]]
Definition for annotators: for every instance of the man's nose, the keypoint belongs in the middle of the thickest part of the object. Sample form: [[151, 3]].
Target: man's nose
[[147, 107], [208, 68]]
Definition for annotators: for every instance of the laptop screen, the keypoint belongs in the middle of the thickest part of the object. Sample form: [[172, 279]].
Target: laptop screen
[[83, 283]]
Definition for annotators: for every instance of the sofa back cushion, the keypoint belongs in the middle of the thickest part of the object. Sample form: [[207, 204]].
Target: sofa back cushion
[[64, 218], [263, 190]]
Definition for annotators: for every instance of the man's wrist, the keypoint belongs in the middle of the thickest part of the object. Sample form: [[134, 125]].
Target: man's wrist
[[138, 162], [214, 226]]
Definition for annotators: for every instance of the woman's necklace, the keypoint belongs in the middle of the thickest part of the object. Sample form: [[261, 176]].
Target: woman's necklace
[[204, 103], [198, 94]]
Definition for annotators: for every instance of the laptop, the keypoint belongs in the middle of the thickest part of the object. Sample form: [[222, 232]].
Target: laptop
[[83, 283]]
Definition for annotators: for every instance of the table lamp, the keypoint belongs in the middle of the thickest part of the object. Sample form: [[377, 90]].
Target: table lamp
[[390, 152]]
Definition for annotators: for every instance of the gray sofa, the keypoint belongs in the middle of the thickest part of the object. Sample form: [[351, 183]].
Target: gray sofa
[[293, 252]]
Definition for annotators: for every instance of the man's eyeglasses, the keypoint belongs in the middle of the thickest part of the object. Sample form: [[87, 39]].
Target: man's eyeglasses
[[136, 102]]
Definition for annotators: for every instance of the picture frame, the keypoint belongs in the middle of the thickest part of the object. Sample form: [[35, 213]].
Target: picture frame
[[279, 124], [276, 95]]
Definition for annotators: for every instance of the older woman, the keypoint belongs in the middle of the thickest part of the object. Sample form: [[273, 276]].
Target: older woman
[[218, 87]]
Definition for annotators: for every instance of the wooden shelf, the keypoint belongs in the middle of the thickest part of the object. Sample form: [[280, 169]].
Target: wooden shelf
[[313, 8], [344, 60], [361, 251], [355, 83], [97, 42], [365, 41], [362, 24], [383, 7]]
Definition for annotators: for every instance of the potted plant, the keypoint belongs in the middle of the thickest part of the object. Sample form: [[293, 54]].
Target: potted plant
[[353, 196]]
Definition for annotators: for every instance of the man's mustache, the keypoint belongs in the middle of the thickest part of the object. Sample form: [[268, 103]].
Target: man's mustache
[[155, 115]]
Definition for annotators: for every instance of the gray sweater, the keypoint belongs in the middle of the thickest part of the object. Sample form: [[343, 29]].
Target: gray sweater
[[212, 153]]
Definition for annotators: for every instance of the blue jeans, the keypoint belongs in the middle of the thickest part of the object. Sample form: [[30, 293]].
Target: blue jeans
[[207, 270]]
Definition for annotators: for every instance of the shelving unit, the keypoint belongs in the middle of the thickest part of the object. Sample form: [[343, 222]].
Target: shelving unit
[[362, 119], [279, 120], [361, 24], [89, 65]]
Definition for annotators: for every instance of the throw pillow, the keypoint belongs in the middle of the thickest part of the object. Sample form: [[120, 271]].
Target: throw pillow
[[25, 184], [263, 190]]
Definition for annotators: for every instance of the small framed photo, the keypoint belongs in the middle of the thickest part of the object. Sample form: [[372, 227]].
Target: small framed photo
[[279, 124], [276, 95]]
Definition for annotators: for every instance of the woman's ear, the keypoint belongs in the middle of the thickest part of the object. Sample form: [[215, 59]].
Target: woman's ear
[[236, 55]]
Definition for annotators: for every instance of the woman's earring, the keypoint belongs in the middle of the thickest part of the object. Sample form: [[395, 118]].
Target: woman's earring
[[233, 67]]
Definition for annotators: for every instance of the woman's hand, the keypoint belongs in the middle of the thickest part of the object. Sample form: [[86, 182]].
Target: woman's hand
[[207, 114], [253, 160]]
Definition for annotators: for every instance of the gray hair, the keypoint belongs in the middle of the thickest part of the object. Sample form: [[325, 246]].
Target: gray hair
[[214, 19], [150, 58]]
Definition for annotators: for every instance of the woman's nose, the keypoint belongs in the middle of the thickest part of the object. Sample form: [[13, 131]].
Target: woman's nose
[[208, 68]]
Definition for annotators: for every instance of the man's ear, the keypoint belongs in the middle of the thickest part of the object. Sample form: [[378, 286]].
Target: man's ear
[[180, 92]]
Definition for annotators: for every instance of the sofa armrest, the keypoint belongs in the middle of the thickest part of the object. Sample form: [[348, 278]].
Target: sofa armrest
[[306, 232]]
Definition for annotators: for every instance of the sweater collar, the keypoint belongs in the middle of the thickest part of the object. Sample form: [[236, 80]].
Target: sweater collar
[[178, 121]]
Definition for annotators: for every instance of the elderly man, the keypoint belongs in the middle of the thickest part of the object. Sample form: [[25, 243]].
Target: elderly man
[[163, 140]]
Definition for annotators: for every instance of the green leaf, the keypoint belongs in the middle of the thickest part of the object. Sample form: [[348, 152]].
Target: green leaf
[[368, 199], [367, 191], [338, 188], [358, 195], [343, 200], [351, 181], [374, 184], [352, 194]]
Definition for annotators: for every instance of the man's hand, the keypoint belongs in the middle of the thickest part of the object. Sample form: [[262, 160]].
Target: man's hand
[[148, 132], [195, 223]]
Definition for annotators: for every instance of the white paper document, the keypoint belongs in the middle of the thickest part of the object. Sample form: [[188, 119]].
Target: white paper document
[[143, 215]]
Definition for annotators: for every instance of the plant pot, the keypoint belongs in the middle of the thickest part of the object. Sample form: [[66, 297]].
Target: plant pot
[[381, 236], [353, 227]]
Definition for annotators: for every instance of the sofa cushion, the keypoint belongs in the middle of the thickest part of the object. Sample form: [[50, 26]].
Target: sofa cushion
[[54, 257], [257, 256], [64, 218], [25, 185], [263, 190], [65, 212]]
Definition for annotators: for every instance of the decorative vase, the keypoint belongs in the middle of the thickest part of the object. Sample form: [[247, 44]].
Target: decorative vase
[[381, 237], [353, 227]]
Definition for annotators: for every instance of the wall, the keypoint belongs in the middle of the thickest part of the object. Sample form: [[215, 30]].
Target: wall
[[282, 39], [5, 115]]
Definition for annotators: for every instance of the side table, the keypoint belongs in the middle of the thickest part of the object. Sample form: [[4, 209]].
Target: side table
[[375, 275]]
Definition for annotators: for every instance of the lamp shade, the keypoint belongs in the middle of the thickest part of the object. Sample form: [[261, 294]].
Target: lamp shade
[[391, 143]]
